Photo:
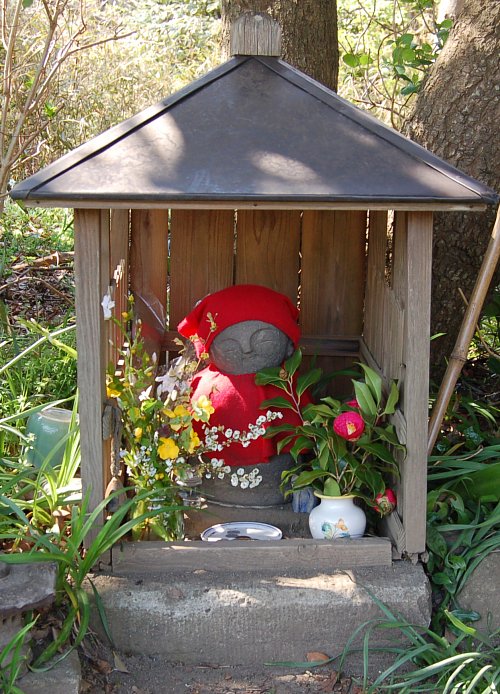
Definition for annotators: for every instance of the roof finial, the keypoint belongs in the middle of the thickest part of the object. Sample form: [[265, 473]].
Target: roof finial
[[255, 33]]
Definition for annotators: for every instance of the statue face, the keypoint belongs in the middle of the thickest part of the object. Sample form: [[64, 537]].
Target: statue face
[[249, 346]]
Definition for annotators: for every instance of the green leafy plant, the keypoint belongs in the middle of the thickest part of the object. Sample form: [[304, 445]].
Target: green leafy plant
[[387, 49], [32, 378], [463, 523], [465, 662], [166, 434], [41, 491], [13, 658], [66, 550], [350, 443]]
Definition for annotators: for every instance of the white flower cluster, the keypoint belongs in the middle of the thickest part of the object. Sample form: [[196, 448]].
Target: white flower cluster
[[246, 480], [139, 458], [177, 379], [212, 435], [217, 469]]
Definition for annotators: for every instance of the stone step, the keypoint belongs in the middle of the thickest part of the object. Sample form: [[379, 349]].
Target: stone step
[[250, 613]]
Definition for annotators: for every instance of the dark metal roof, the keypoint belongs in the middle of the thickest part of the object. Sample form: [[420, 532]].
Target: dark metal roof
[[254, 129]]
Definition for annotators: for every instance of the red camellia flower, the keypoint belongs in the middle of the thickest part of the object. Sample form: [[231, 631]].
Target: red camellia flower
[[349, 425], [385, 503]]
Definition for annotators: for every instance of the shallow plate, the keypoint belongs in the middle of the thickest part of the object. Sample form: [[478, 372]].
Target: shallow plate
[[241, 531]]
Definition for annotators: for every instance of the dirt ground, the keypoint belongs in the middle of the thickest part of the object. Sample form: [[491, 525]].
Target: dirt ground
[[108, 672]]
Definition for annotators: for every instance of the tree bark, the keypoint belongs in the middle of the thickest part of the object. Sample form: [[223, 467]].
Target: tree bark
[[309, 33], [457, 117]]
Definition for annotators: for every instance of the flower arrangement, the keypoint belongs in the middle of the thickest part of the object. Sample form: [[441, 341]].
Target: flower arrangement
[[165, 435], [340, 448]]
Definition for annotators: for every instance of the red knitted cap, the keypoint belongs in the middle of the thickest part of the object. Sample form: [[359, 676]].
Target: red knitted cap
[[236, 304]]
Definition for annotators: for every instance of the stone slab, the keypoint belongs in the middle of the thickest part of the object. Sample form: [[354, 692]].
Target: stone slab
[[27, 586], [482, 593], [239, 618], [63, 678]]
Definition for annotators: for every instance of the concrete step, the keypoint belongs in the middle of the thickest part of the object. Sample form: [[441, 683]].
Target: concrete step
[[250, 614]]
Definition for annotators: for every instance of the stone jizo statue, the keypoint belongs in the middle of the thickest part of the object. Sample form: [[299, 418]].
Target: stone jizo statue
[[243, 329]]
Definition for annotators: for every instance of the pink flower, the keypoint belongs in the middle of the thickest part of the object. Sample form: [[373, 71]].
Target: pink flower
[[349, 425], [353, 403], [385, 503]]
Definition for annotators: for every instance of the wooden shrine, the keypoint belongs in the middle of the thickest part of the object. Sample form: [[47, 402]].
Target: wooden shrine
[[256, 173]]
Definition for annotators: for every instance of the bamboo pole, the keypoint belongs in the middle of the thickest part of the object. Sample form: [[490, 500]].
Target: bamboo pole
[[459, 354]]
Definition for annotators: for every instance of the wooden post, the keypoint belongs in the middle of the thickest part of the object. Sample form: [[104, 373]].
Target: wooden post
[[91, 281], [255, 33], [417, 267]]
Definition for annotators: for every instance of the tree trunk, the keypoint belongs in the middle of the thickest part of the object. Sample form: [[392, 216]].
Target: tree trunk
[[457, 117], [309, 33], [449, 9]]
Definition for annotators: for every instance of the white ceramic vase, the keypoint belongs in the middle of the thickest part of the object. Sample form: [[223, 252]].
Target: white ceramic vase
[[336, 516]]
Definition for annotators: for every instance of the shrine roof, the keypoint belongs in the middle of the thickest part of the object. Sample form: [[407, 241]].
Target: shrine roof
[[254, 130]]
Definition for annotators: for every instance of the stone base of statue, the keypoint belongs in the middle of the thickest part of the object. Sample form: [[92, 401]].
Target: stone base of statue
[[267, 493], [220, 502]]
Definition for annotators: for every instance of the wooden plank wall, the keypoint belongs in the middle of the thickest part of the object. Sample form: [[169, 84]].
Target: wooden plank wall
[[201, 250], [148, 273], [118, 279], [286, 250], [333, 282], [397, 337], [267, 250], [384, 310]]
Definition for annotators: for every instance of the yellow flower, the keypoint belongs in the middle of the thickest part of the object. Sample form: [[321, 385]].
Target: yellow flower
[[137, 433], [159, 475], [168, 449], [112, 392], [179, 412], [194, 441], [202, 409]]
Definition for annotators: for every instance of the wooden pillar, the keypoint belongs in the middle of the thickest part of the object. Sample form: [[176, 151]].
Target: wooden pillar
[[416, 264], [91, 282]]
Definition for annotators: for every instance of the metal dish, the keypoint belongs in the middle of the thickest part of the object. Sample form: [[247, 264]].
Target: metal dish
[[241, 531]]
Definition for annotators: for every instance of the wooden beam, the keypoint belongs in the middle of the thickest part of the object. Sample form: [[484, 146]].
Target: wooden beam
[[283, 555], [255, 33], [319, 204]]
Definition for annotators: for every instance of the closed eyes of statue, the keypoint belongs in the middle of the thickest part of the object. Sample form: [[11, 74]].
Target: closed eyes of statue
[[248, 347]]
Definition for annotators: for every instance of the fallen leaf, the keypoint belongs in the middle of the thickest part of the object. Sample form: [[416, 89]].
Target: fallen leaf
[[314, 656], [329, 682], [119, 664], [103, 666]]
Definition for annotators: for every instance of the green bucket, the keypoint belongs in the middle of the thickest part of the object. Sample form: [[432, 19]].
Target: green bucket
[[48, 429]]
